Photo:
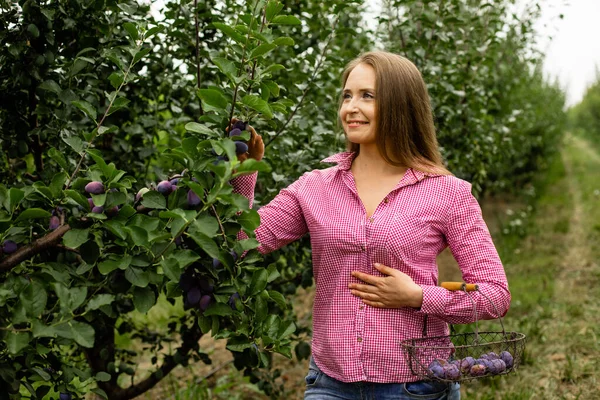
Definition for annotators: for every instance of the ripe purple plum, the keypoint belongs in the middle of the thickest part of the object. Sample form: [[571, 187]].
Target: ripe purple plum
[[94, 187], [174, 181], [451, 372], [98, 209], [205, 302], [54, 223], [466, 364], [65, 396], [216, 263], [478, 370], [490, 356], [497, 366], [194, 296], [192, 198], [186, 282], [9, 247], [164, 187], [235, 132], [232, 299], [241, 125], [507, 358], [91, 203], [240, 147], [113, 211]]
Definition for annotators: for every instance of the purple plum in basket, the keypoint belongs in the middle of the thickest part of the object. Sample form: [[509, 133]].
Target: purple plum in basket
[[497, 366], [490, 356], [451, 372], [478, 370], [437, 371], [466, 364], [507, 358]]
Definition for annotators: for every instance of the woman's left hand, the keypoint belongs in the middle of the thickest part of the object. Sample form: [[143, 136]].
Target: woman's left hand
[[394, 290]]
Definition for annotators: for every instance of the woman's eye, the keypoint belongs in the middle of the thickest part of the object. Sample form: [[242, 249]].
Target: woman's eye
[[368, 95], [346, 96]]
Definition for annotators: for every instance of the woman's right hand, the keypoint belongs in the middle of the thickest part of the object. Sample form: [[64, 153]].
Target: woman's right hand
[[256, 146]]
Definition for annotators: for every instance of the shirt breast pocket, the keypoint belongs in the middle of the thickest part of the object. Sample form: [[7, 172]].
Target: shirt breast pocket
[[407, 236]]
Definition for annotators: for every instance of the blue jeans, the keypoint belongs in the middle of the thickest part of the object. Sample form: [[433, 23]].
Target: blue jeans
[[322, 387]]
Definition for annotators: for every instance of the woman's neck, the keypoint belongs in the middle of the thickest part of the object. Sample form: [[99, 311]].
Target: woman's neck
[[370, 162]]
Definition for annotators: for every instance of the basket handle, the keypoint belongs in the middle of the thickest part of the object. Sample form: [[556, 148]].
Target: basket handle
[[462, 286]]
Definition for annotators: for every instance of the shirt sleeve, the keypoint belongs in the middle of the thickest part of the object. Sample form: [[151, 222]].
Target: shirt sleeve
[[471, 244], [281, 220]]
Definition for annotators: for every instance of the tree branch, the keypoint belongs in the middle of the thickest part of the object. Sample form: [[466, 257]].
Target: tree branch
[[26, 252]]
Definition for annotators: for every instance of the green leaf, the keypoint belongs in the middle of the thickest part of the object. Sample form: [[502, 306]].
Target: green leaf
[[116, 79], [86, 107], [99, 300], [100, 393], [138, 235], [171, 268], [137, 276], [120, 102], [43, 374], [34, 299], [13, 199], [274, 7], [249, 219], [33, 213], [51, 86], [154, 199], [40, 330], [16, 341], [143, 299], [251, 165], [75, 143], [58, 157], [141, 54], [286, 20], [258, 104], [131, 30], [284, 41], [278, 298], [116, 228], [219, 309], [102, 376], [206, 224], [153, 31], [107, 266], [129, 8], [286, 329], [226, 66], [262, 50], [58, 181], [70, 298], [82, 333], [199, 128], [75, 238], [213, 97], [258, 282], [206, 243], [79, 198], [229, 31]]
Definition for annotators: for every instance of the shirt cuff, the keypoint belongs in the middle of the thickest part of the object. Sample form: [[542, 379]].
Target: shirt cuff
[[435, 299]]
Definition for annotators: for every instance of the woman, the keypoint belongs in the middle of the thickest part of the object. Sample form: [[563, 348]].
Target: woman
[[377, 220]]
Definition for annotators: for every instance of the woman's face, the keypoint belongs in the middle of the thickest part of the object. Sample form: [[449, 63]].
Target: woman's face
[[358, 107]]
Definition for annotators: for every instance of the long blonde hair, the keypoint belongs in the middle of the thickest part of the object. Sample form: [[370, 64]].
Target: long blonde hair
[[404, 129]]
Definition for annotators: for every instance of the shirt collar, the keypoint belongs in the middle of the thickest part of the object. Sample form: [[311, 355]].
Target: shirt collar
[[344, 162]]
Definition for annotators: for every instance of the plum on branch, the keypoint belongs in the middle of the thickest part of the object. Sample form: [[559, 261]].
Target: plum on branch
[[94, 187]]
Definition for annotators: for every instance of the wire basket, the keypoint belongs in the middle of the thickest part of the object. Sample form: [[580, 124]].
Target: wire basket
[[464, 356]]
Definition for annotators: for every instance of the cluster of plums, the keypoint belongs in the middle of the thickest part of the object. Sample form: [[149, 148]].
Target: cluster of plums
[[487, 364], [96, 187], [197, 291]]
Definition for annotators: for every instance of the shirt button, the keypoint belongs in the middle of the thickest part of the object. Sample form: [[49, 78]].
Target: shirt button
[[363, 247], [359, 339], [371, 219], [361, 307], [386, 200]]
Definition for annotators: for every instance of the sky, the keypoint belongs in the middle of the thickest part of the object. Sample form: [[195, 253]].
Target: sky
[[573, 53]]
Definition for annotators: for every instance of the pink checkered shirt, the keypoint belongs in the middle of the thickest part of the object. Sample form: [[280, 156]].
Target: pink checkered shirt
[[410, 227]]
